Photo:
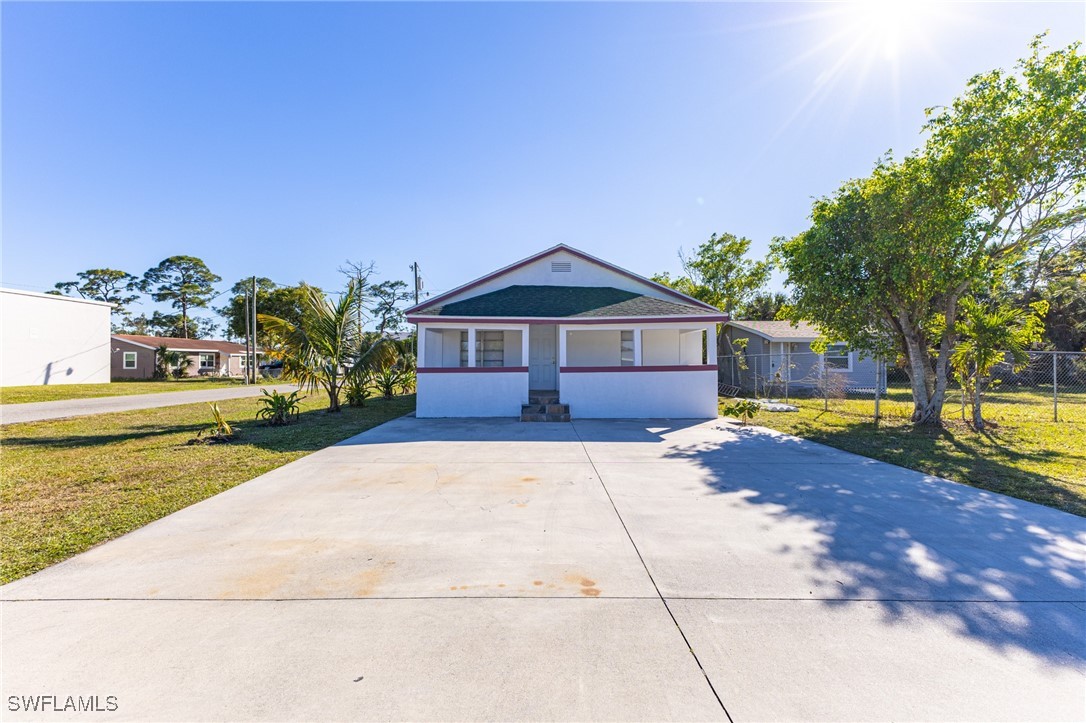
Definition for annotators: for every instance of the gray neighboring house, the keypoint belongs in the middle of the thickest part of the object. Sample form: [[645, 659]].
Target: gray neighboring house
[[779, 353]]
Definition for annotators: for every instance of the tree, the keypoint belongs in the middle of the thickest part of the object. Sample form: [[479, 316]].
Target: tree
[[284, 302], [719, 273], [109, 285], [183, 281], [888, 258], [764, 305], [386, 300], [327, 347], [160, 324], [170, 363], [988, 335]]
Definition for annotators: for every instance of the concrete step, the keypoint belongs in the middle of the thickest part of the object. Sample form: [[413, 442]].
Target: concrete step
[[540, 396], [544, 413]]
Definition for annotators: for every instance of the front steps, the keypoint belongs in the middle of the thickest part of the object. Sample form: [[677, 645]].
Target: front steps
[[543, 406]]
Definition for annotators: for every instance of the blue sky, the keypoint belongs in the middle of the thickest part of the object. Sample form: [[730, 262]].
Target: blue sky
[[281, 139]]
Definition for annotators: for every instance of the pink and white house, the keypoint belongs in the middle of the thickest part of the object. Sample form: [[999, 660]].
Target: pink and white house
[[563, 333]]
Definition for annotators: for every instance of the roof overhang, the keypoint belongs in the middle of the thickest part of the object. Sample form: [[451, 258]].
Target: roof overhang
[[772, 337], [698, 319]]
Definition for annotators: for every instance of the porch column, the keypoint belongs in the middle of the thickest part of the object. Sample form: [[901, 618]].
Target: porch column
[[471, 346], [524, 345], [561, 347], [710, 345], [420, 345], [637, 346]]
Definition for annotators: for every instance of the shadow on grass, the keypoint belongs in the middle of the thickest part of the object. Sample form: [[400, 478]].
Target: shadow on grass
[[983, 564]]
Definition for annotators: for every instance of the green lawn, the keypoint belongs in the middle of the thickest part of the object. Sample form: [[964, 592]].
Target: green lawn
[[73, 483], [53, 392], [1024, 454]]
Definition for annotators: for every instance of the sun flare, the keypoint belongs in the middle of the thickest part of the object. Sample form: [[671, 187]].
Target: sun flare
[[889, 27]]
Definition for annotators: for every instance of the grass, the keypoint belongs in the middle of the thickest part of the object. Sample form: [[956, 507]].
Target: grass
[[54, 392], [71, 484], [1024, 454]]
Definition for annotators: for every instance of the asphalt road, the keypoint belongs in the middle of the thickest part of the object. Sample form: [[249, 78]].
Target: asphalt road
[[38, 411]]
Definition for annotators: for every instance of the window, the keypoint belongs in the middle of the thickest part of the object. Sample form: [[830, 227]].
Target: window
[[489, 348], [837, 356], [207, 361], [130, 360], [244, 361], [626, 350]]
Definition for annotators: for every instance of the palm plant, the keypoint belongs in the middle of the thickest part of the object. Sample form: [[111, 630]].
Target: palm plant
[[327, 348], [988, 336], [169, 363]]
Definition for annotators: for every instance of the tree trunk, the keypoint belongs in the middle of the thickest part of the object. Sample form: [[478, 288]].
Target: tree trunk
[[184, 319], [927, 404], [978, 419]]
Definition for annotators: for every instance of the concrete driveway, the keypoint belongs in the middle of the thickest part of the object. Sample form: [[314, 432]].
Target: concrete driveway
[[61, 408], [469, 570]]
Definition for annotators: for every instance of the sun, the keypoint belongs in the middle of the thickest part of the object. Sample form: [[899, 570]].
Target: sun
[[889, 27]]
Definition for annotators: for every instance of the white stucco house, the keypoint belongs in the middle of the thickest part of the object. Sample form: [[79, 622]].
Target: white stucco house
[[562, 334], [48, 339]]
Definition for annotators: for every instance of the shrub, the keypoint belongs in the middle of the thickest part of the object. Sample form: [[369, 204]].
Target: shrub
[[744, 409], [278, 409], [220, 431]]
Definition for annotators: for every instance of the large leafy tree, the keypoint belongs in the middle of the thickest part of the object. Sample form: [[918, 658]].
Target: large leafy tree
[[764, 305], [284, 302], [327, 347], [162, 324], [888, 258], [112, 286], [184, 282]]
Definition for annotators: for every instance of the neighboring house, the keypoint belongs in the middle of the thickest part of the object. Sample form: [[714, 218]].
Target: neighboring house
[[779, 352], [133, 356], [564, 333], [49, 339]]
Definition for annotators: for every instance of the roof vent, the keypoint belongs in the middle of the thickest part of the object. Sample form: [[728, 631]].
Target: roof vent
[[561, 266]]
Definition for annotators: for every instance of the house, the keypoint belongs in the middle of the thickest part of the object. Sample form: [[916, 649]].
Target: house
[[562, 334], [51, 339], [133, 356], [778, 353]]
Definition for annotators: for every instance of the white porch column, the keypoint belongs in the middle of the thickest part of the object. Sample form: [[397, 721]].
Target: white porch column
[[524, 345], [420, 345], [637, 346], [471, 346], [710, 345], [561, 347]]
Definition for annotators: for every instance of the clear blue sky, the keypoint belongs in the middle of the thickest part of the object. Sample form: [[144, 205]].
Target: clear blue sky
[[280, 139]]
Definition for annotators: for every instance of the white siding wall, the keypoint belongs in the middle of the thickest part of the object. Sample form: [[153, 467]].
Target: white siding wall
[[48, 339], [512, 349], [660, 347], [471, 394], [629, 394]]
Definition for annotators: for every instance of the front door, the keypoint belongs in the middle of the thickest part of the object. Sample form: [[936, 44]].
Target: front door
[[542, 356]]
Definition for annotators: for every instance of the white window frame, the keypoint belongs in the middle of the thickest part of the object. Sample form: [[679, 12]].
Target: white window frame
[[846, 355], [130, 355], [494, 338], [211, 356], [626, 350]]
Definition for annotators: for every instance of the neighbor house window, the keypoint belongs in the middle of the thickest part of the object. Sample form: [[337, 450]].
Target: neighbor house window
[[626, 349], [838, 357], [207, 361], [489, 348], [130, 360]]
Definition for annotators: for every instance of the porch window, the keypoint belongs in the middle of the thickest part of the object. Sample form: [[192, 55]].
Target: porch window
[[130, 360], [489, 348], [838, 357], [626, 349], [207, 361]]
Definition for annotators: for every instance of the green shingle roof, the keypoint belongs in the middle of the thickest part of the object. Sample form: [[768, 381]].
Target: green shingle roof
[[564, 301]]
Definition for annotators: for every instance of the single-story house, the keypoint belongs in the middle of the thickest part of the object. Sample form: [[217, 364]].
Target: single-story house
[[560, 334], [51, 339], [133, 356], [778, 353]]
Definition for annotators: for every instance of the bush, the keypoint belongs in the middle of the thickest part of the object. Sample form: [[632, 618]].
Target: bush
[[278, 409], [744, 409]]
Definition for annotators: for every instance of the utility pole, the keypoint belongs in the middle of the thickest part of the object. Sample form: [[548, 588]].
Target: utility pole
[[252, 367], [245, 313], [418, 287]]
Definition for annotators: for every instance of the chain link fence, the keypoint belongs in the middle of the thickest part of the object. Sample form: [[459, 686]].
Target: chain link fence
[[1050, 387]]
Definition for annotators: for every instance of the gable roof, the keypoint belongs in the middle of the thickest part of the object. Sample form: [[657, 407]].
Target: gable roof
[[558, 302], [423, 309], [779, 330], [178, 344]]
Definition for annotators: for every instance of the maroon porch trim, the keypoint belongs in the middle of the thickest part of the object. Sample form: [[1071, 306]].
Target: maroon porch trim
[[469, 370], [706, 319], [689, 368]]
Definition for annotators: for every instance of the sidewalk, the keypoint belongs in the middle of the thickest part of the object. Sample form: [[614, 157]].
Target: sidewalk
[[39, 411]]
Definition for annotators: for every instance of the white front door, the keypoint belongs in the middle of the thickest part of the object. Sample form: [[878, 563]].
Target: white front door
[[542, 356], [776, 360]]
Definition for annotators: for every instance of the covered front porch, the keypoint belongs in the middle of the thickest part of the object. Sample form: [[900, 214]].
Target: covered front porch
[[598, 368]]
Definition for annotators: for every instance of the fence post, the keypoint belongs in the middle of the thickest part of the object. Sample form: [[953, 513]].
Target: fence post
[[1055, 388], [878, 386]]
